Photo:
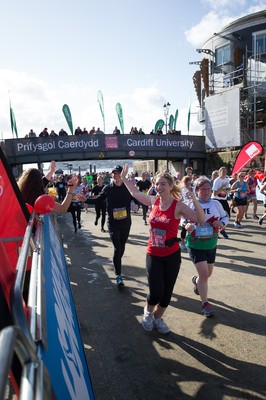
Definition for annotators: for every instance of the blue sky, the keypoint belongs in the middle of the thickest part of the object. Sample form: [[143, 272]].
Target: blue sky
[[137, 52]]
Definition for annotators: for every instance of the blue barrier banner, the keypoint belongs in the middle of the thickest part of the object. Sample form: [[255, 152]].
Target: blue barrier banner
[[64, 356]]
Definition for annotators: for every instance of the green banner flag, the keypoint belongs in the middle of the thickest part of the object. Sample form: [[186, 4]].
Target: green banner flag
[[67, 114], [159, 124], [176, 116], [101, 104], [119, 112], [13, 121], [171, 122], [188, 117]]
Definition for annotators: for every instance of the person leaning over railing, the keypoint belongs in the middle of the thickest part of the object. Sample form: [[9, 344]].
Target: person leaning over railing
[[32, 184]]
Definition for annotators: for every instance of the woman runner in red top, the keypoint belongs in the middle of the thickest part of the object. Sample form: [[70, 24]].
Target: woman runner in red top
[[163, 252]]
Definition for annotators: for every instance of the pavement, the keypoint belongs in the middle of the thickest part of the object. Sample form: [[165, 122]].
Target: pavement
[[222, 358]]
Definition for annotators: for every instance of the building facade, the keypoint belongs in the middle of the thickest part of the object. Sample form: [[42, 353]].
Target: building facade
[[231, 84]]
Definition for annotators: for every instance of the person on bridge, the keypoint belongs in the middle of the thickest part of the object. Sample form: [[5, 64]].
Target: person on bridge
[[163, 257], [119, 218]]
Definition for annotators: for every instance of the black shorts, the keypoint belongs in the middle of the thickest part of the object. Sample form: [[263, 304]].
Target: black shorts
[[240, 202], [197, 255]]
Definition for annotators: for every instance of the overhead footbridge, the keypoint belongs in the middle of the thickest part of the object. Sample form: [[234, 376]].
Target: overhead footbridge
[[102, 146]]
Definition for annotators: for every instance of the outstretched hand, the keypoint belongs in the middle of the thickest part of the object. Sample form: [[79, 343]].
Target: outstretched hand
[[124, 172], [52, 166]]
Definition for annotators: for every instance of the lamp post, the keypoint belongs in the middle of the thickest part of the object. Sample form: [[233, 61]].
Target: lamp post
[[166, 112]]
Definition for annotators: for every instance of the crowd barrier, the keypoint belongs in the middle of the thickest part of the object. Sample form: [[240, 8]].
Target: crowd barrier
[[41, 350]]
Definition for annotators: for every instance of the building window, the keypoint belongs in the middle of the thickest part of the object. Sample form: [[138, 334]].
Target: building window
[[259, 43], [222, 55]]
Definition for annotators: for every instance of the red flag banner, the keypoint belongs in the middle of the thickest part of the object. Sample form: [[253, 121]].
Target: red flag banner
[[14, 213], [246, 154]]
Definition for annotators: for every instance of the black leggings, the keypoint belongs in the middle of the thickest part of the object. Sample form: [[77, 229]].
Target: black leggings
[[101, 209], [144, 212], [75, 210], [119, 234], [162, 273]]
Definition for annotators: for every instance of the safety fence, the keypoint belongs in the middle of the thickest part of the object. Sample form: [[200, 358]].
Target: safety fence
[[41, 351]]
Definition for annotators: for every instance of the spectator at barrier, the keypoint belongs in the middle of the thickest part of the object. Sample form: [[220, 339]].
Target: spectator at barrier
[[92, 131], [52, 133], [32, 134], [78, 131], [85, 132], [44, 133], [32, 184], [116, 131], [62, 132]]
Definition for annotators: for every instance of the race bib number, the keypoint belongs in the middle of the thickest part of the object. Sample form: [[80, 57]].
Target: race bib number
[[205, 230], [157, 237], [119, 213]]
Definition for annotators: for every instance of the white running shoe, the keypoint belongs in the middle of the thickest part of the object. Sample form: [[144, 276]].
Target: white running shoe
[[161, 326], [147, 320]]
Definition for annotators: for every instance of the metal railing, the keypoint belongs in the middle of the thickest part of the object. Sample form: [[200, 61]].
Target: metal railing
[[35, 382], [29, 320]]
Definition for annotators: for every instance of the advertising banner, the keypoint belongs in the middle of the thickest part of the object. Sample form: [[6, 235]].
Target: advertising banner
[[13, 211], [246, 154], [64, 356], [101, 143]]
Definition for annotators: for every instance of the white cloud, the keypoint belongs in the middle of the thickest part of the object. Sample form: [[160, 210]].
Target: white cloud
[[224, 4], [223, 13], [212, 22], [36, 105]]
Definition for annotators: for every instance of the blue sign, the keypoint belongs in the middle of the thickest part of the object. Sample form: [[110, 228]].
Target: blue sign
[[64, 356]]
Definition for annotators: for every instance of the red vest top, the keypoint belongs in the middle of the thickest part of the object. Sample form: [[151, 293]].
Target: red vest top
[[163, 226]]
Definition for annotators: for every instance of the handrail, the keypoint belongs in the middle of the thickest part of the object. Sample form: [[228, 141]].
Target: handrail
[[17, 308], [13, 340], [29, 324]]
